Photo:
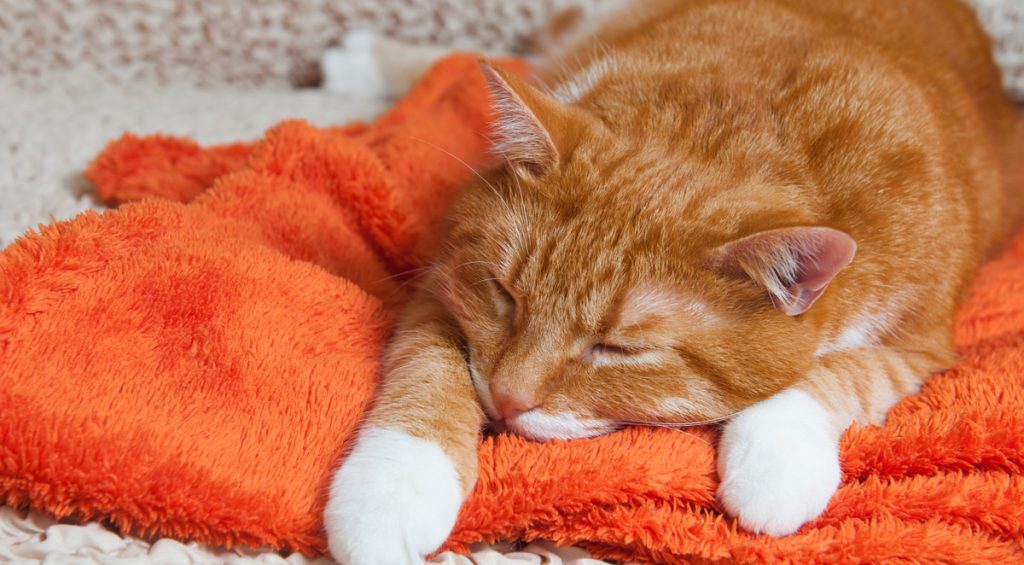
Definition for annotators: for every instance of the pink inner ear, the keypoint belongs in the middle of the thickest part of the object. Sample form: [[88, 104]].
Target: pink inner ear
[[520, 136], [828, 252], [802, 300], [795, 265]]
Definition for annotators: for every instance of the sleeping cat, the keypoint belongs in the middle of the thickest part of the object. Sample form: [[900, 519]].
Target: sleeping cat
[[757, 212]]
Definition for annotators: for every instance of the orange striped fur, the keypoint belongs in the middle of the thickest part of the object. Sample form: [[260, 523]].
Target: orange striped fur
[[709, 208]]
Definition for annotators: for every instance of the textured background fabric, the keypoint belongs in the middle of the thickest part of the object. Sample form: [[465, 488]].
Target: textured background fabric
[[1004, 20], [200, 42], [32, 538]]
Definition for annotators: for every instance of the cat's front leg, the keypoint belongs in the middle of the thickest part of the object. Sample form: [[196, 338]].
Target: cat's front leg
[[779, 459], [397, 494], [779, 463]]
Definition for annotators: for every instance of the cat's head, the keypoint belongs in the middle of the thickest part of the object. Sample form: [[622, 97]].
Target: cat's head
[[595, 289]]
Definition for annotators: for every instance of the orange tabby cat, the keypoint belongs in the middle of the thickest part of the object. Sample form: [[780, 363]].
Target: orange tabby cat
[[763, 210]]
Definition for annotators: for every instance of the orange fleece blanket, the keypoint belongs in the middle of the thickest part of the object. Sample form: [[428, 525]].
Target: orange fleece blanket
[[192, 365]]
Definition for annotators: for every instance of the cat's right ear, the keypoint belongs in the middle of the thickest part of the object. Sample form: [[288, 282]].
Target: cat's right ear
[[528, 122], [795, 265]]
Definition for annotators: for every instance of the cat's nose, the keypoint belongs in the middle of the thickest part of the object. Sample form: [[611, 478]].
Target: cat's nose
[[511, 404]]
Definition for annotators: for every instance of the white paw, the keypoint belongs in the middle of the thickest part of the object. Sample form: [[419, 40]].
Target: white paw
[[393, 501], [354, 68], [779, 464]]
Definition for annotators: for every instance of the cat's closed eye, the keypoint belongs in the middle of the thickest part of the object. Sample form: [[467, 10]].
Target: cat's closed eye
[[604, 350], [504, 301]]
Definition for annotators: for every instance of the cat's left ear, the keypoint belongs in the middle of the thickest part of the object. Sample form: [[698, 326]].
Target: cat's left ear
[[795, 265], [530, 124]]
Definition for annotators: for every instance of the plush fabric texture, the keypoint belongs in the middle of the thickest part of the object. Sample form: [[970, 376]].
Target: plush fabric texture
[[193, 364]]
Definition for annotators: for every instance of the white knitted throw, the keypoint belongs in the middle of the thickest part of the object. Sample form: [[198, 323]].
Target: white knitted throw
[[1004, 20], [199, 42]]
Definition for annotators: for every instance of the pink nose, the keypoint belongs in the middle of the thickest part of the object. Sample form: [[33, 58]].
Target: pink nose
[[511, 404]]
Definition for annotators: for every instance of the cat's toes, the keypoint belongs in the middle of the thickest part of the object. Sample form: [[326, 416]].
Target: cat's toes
[[779, 464], [354, 68], [394, 500]]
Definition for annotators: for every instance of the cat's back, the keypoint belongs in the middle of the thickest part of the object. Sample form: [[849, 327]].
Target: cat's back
[[936, 47], [892, 111], [918, 36], [908, 86]]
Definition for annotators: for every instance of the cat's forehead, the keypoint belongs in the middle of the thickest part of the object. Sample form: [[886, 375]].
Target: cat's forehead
[[595, 281], [645, 302]]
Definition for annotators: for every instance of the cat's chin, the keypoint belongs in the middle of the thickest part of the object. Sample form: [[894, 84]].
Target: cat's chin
[[541, 426]]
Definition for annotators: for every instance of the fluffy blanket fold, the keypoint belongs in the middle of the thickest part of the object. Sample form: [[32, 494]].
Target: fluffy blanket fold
[[193, 363]]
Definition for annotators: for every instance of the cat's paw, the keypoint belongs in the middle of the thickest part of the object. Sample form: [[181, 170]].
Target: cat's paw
[[354, 68], [393, 500], [779, 464]]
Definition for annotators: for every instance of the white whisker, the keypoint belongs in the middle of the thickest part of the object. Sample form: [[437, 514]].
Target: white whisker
[[463, 163]]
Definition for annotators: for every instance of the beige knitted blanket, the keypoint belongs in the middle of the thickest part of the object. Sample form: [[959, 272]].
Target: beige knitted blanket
[[199, 42]]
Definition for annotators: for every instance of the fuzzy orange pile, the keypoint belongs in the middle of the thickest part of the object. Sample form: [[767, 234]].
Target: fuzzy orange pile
[[192, 365]]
